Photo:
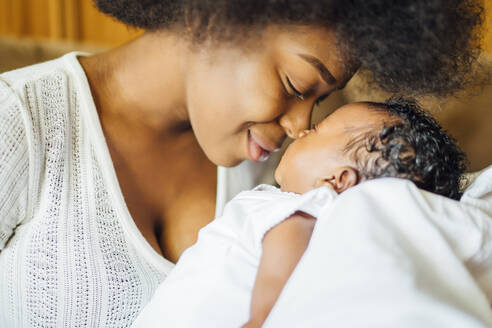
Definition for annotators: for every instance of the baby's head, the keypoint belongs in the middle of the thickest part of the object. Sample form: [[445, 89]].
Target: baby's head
[[364, 141]]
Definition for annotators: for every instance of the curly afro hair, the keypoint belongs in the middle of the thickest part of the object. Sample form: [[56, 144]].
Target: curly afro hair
[[413, 147], [414, 47]]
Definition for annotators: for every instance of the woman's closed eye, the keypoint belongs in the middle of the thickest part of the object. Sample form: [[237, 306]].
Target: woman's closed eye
[[302, 95], [294, 90]]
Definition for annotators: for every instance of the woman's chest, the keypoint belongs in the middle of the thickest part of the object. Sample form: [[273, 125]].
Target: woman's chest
[[174, 225], [170, 195], [79, 246]]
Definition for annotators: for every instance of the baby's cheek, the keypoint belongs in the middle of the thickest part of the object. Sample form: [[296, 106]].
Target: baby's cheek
[[278, 175], [295, 179], [308, 172], [292, 173]]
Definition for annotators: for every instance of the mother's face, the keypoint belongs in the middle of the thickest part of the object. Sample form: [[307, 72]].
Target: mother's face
[[244, 99]]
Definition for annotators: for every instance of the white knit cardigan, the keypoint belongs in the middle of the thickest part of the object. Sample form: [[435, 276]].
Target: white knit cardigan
[[70, 253]]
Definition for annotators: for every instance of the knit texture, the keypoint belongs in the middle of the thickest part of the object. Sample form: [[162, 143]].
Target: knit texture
[[70, 255]]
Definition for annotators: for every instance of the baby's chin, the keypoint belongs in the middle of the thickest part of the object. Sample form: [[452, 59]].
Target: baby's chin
[[283, 183], [292, 190], [282, 174], [277, 176], [289, 187], [279, 180]]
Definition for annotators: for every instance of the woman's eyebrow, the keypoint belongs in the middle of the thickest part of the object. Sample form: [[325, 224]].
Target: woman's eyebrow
[[320, 67]]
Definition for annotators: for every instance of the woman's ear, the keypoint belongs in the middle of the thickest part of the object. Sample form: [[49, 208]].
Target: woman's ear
[[340, 179]]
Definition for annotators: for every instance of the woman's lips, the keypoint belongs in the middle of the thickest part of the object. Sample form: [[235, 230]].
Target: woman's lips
[[256, 152]]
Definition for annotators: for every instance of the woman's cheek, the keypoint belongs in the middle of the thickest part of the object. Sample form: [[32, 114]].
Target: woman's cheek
[[263, 107], [262, 94], [210, 102]]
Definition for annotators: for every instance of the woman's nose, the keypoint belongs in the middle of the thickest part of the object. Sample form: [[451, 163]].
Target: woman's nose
[[296, 121]]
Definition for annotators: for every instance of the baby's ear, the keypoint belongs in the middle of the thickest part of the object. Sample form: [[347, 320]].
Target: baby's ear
[[340, 179]]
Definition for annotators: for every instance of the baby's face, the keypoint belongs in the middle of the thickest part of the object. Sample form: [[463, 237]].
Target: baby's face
[[318, 154]]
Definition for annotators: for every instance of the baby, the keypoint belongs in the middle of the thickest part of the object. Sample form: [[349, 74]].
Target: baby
[[235, 272]]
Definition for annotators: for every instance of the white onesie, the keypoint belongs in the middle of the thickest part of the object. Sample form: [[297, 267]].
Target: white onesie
[[212, 283]]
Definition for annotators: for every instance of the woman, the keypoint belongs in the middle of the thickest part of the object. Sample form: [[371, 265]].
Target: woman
[[109, 162]]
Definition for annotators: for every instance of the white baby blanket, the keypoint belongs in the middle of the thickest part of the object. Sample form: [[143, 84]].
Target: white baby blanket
[[212, 282], [383, 254], [389, 255]]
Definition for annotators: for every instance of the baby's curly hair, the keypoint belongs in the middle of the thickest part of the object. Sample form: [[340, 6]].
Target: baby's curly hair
[[413, 47], [412, 146]]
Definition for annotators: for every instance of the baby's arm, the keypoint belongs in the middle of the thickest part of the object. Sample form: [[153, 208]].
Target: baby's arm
[[283, 246]]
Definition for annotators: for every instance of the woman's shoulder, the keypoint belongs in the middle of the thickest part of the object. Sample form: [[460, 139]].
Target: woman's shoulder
[[18, 78], [14, 162], [41, 84], [39, 111], [42, 93]]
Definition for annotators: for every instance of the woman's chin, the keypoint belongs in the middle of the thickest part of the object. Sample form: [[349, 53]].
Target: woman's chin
[[228, 162], [223, 159]]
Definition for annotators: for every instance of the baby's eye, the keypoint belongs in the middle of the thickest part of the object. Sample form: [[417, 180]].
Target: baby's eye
[[314, 127]]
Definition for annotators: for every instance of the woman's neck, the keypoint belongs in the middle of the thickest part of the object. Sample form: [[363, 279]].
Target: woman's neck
[[140, 86]]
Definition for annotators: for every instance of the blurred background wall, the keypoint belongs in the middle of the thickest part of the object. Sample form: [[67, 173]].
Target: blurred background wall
[[36, 30], [70, 20]]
